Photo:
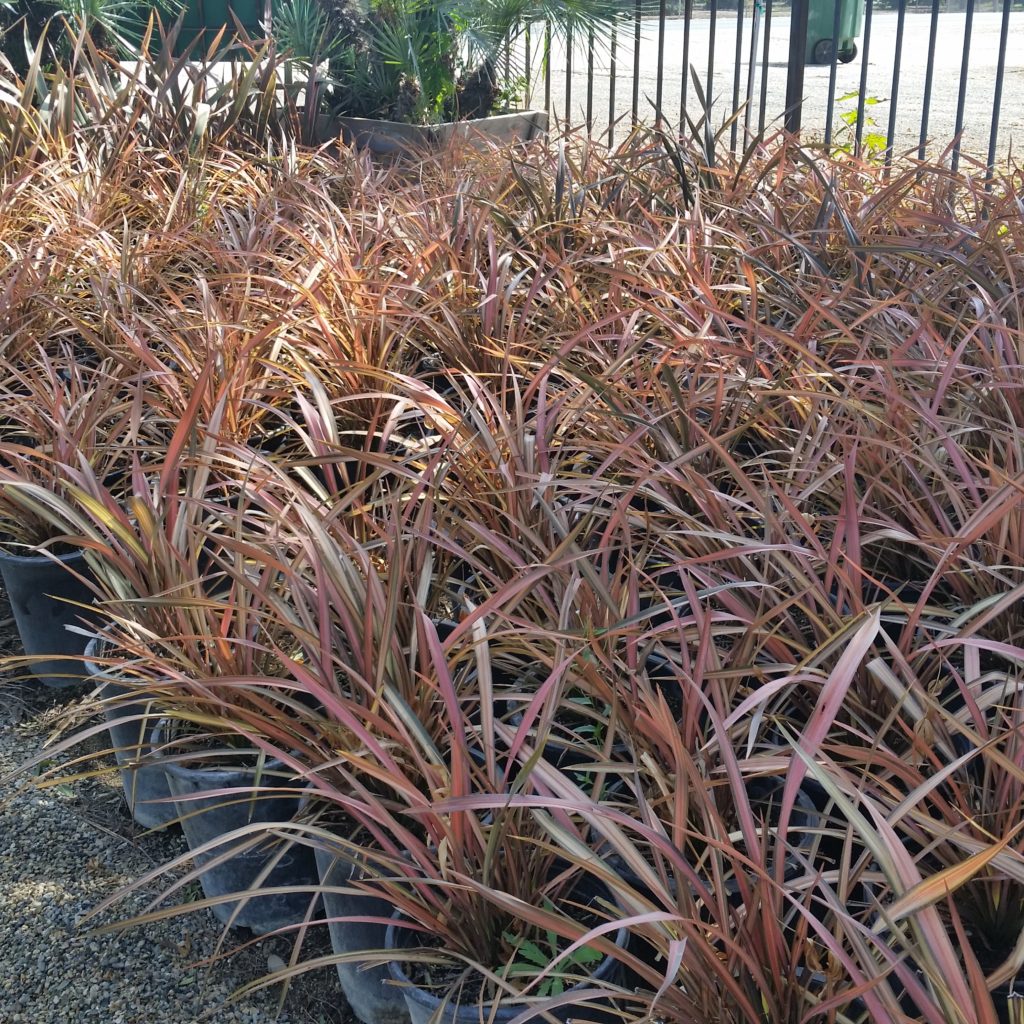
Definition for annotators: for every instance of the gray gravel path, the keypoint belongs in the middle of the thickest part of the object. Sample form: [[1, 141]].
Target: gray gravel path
[[62, 851], [979, 99]]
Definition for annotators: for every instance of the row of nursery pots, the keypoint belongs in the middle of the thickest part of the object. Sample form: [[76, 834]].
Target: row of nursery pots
[[47, 594], [225, 824], [212, 801]]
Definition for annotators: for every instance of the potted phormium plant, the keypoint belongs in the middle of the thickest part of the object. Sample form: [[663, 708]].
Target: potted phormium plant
[[417, 74], [218, 656], [488, 921], [350, 589], [521, 935], [193, 615], [403, 715], [58, 412], [229, 708]]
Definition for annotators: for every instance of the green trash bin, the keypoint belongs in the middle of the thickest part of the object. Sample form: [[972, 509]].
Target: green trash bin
[[203, 19], [820, 23]]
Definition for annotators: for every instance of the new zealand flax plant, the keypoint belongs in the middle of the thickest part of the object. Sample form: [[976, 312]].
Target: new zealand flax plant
[[193, 630], [771, 436], [59, 411], [949, 782], [396, 717], [412, 718], [56, 411], [183, 103]]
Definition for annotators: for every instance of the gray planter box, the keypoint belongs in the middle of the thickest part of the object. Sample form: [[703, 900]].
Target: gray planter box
[[387, 137]]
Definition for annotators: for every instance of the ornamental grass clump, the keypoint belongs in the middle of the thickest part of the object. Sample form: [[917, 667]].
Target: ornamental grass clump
[[554, 513]]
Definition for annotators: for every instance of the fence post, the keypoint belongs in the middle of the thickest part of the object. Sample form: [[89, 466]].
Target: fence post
[[797, 60]]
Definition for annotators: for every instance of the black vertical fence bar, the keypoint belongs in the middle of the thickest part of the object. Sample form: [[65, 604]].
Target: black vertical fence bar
[[590, 82], [837, 7], [527, 61], [894, 96], [993, 137], [797, 59], [547, 66], [762, 113], [734, 132], [569, 40], [929, 79], [748, 109], [961, 98], [612, 52], [659, 94], [862, 95], [684, 85], [709, 85], [637, 12]]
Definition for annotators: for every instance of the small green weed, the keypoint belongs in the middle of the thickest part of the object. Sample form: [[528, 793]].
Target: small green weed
[[844, 140]]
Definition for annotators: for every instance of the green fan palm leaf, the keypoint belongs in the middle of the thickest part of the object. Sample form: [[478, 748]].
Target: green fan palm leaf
[[433, 60]]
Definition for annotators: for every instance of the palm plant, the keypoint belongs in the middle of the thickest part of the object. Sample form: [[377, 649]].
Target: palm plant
[[424, 61], [116, 24], [21, 26]]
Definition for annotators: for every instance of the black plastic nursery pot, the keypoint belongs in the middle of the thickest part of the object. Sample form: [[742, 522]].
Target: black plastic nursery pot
[[372, 998], [40, 588], [562, 746], [427, 1008], [131, 724], [765, 795], [816, 985], [207, 818], [834, 843], [1007, 999], [570, 729], [354, 458]]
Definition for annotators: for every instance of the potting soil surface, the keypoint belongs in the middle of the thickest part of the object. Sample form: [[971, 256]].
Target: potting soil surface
[[64, 849]]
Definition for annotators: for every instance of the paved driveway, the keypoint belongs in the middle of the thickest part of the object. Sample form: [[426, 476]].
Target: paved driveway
[[981, 78]]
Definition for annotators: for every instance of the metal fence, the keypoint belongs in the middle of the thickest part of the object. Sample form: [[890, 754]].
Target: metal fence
[[933, 78]]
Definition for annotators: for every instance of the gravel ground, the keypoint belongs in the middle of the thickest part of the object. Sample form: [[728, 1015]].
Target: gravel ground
[[63, 850], [979, 96]]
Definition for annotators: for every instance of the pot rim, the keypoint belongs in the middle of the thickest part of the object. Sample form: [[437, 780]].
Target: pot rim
[[44, 558], [95, 670], [220, 774], [521, 112]]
